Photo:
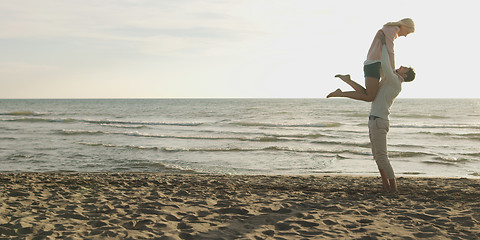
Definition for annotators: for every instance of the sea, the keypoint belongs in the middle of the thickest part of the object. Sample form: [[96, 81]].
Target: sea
[[427, 138]]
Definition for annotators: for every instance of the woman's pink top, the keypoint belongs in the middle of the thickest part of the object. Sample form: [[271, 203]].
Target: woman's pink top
[[375, 51]]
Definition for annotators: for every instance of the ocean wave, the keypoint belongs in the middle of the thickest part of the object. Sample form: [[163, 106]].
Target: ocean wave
[[399, 154], [275, 135], [362, 145], [23, 113], [138, 134], [97, 144], [254, 139], [453, 160], [144, 166], [475, 136], [227, 149], [359, 115], [436, 126], [435, 162], [407, 146], [40, 120], [472, 154], [266, 149], [123, 126], [7, 138], [307, 136], [447, 160], [274, 125], [471, 136], [79, 132], [412, 173], [420, 116], [125, 123]]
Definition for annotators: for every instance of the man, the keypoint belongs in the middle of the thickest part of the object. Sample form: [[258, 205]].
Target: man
[[378, 124]]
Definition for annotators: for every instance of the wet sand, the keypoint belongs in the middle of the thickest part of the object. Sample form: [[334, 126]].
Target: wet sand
[[159, 206]]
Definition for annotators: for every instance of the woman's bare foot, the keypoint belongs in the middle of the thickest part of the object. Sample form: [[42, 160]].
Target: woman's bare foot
[[345, 77], [335, 93]]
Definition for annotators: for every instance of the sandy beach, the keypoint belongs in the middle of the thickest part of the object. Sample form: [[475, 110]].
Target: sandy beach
[[158, 206]]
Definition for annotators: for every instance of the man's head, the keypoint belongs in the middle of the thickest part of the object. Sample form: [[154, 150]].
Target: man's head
[[407, 73]]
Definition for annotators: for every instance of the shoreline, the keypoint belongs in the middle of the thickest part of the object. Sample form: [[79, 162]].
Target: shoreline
[[207, 206]]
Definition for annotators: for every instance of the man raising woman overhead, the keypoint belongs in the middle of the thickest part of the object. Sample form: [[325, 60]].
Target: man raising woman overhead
[[380, 63]]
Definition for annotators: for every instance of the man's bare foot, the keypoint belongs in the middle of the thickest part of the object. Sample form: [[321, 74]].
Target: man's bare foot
[[345, 77], [335, 93], [393, 185]]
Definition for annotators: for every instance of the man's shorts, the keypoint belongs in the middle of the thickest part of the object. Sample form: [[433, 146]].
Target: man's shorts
[[372, 70]]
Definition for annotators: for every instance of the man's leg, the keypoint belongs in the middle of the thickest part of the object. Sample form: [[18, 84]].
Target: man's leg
[[378, 130], [372, 128], [385, 183], [393, 185]]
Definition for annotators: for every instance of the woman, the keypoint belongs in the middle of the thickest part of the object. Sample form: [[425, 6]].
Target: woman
[[371, 67]]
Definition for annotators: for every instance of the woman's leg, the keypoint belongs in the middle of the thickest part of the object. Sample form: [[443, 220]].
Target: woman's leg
[[364, 94], [348, 80], [372, 85]]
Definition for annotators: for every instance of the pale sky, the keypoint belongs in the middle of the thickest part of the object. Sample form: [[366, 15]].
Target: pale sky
[[227, 48]]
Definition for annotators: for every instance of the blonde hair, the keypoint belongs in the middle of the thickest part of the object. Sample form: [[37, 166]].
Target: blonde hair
[[407, 22]]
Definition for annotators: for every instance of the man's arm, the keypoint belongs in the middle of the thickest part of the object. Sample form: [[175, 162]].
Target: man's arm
[[385, 61], [386, 68], [390, 33]]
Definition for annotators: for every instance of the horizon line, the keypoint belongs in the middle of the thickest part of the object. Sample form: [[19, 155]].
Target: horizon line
[[213, 98]]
